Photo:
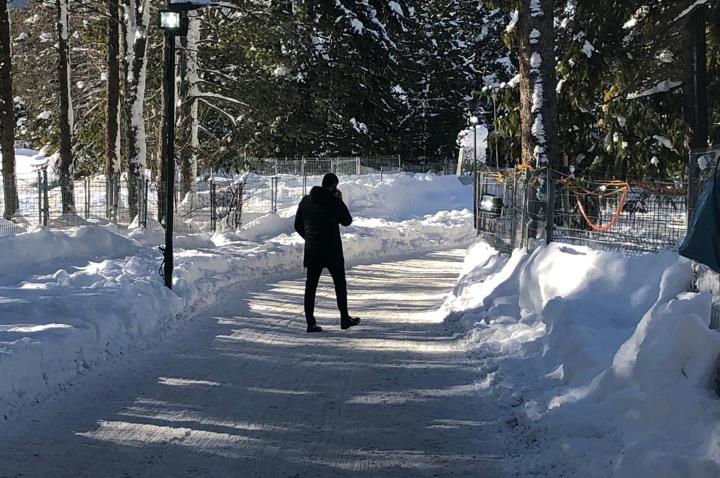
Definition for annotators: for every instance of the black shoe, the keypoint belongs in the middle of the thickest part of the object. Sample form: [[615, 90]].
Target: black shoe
[[349, 322], [314, 328]]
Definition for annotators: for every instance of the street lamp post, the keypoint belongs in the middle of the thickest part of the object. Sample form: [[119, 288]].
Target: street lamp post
[[174, 22], [474, 123]]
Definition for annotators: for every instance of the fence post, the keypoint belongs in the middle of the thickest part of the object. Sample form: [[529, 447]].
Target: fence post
[[87, 197], [512, 193], [274, 193], [46, 201], [115, 194], [304, 177], [381, 173], [108, 198], [145, 202], [525, 216], [40, 198], [357, 166], [550, 207], [213, 210]]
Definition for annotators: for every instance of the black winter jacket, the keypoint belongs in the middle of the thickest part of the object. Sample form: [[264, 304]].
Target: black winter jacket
[[317, 220]]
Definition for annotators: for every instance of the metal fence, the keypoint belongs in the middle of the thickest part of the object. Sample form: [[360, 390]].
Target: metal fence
[[225, 199], [513, 210], [93, 200]]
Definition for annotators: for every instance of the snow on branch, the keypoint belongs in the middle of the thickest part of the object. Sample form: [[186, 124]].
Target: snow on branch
[[662, 87], [208, 95], [690, 9]]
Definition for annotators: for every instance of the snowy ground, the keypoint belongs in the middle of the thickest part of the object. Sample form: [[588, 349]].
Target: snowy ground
[[561, 362], [246, 392], [71, 300], [607, 361]]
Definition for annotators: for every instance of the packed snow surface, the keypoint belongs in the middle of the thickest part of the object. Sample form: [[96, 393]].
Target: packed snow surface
[[608, 361], [74, 298]]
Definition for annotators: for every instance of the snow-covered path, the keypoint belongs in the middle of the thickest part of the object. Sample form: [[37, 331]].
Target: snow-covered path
[[246, 392]]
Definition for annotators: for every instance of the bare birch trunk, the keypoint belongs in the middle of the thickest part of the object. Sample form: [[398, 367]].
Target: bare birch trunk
[[137, 13]]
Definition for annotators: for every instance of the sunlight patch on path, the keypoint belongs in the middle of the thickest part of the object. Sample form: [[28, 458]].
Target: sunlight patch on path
[[249, 393]]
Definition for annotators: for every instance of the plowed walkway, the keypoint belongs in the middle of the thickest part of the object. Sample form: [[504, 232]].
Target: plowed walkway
[[246, 392]]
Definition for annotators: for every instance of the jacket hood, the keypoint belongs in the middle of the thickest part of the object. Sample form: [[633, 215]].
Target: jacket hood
[[322, 196]]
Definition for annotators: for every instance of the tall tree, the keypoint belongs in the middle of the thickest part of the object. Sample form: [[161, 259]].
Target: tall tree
[[7, 116], [137, 14], [538, 100], [695, 110], [66, 110], [112, 92], [189, 121]]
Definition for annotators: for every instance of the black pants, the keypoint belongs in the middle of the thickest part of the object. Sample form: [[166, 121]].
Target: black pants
[[337, 271]]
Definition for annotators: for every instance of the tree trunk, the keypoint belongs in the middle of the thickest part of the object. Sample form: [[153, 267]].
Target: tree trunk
[[66, 110], [112, 113], [7, 116], [695, 108], [538, 105], [137, 13], [188, 124], [538, 98]]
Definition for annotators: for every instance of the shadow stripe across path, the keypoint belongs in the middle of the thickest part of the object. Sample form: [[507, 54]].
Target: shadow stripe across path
[[247, 393]]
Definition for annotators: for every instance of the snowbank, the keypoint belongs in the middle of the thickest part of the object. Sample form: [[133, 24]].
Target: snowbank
[[28, 161], [73, 299], [396, 196], [606, 360]]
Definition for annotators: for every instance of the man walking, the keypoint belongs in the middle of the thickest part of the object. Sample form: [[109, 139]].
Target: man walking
[[317, 221]]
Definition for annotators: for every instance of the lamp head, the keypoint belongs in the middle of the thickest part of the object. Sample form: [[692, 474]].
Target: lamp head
[[170, 20]]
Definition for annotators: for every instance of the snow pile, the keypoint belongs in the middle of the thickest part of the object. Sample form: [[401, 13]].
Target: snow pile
[[71, 300], [28, 161], [606, 361], [396, 197], [46, 251]]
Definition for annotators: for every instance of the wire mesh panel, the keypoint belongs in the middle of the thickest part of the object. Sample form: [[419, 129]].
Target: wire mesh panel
[[193, 208], [258, 195], [441, 167], [505, 204], [620, 215], [380, 165], [632, 216], [28, 203]]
